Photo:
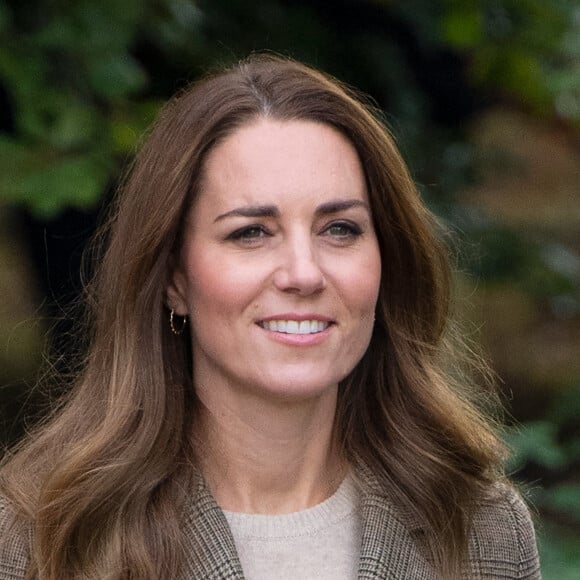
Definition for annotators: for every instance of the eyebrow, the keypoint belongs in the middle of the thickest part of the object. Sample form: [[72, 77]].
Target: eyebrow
[[250, 211], [327, 208], [341, 205]]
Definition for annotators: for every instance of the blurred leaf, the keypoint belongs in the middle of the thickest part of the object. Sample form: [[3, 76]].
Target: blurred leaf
[[559, 553], [463, 26], [59, 119], [5, 17], [566, 408], [74, 126], [128, 126], [90, 27], [536, 442], [523, 75], [46, 181], [564, 498], [116, 76]]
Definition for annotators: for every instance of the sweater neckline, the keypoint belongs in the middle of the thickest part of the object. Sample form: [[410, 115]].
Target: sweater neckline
[[336, 508]]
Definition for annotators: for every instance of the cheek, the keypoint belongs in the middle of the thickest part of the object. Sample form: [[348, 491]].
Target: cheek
[[218, 288], [362, 283]]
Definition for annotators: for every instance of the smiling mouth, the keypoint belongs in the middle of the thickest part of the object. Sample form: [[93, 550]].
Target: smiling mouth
[[295, 326]]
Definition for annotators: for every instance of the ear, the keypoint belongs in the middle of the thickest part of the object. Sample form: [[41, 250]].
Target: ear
[[177, 289]]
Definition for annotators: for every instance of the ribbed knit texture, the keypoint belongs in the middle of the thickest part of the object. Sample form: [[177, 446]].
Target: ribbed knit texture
[[322, 542]]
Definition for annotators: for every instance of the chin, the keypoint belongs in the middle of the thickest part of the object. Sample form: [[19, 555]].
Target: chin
[[297, 388]]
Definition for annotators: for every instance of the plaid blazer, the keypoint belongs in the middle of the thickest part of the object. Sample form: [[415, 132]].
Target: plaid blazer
[[502, 544]]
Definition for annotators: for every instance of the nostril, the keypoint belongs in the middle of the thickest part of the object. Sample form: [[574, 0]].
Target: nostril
[[300, 274]]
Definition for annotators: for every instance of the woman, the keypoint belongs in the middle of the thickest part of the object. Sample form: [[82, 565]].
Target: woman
[[266, 391]]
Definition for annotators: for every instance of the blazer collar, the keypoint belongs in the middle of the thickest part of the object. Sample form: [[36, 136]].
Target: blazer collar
[[388, 548], [391, 536], [210, 549]]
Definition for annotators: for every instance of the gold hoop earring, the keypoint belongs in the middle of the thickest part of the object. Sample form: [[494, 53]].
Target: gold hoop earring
[[177, 331]]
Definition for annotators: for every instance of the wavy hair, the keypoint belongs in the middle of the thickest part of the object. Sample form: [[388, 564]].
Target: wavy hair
[[102, 481]]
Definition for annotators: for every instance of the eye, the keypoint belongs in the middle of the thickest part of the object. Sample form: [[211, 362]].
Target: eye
[[249, 233], [343, 230]]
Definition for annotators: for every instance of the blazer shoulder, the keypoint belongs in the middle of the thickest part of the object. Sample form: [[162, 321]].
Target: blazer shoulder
[[503, 536], [14, 542]]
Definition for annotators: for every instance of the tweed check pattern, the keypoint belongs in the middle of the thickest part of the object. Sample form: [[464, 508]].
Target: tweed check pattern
[[502, 543]]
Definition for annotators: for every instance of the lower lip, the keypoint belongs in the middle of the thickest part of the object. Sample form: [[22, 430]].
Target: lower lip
[[298, 339]]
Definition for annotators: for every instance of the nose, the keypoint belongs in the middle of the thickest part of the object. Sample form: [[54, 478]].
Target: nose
[[299, 271]]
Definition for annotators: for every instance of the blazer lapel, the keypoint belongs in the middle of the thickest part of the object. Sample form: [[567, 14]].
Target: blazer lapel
[[388, 549], [211, 552]]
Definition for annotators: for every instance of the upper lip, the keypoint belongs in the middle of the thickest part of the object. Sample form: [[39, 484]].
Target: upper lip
[[298, 317]]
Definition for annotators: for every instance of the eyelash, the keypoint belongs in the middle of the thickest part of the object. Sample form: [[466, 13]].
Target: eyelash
[[256, 231], [353, 230], [244, 234]]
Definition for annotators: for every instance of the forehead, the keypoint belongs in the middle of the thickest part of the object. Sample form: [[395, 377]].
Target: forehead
[[271, 160]]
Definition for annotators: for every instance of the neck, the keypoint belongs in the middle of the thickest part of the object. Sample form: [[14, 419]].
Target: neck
[[261, 456]]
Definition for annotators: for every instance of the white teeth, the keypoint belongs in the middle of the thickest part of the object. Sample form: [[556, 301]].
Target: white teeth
[[292, 327], [295, 326]]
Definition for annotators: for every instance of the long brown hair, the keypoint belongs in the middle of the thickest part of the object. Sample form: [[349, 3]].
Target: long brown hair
[[102, 482]]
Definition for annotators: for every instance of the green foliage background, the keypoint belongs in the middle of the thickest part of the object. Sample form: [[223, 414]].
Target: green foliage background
[[81, 81]]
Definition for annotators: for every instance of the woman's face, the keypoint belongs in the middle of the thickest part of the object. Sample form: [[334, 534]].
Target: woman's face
[[279, 270]]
